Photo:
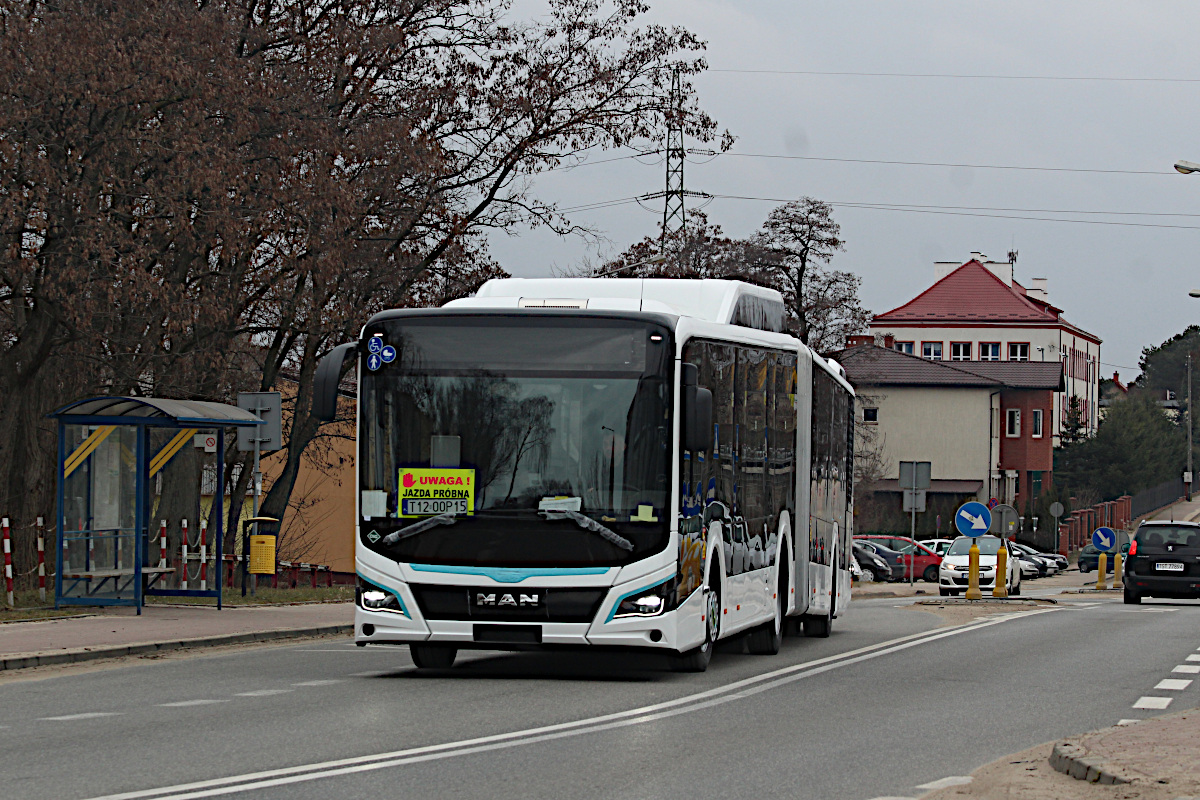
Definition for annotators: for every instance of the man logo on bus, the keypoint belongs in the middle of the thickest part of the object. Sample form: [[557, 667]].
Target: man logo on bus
[[409, 480]]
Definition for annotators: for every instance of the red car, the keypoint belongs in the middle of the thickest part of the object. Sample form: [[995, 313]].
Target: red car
[[924, 562]]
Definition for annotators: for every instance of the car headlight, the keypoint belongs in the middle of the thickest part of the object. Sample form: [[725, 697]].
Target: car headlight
[[648, 602], [375, 598]]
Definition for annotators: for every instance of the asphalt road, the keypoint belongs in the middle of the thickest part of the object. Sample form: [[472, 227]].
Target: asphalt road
[[889, 703]]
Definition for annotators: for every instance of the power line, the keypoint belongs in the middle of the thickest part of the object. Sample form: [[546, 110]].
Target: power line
[[954, 164], [956, 76]]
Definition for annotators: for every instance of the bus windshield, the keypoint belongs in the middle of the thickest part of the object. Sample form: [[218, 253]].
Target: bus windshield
[[529, 440]]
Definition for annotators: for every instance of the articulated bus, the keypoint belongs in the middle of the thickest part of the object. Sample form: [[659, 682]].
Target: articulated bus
[[623, 463]]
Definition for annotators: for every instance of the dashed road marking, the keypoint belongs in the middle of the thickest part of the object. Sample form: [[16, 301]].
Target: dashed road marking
[[316, 683], [1188, 669], [186, 703], [1155, 703], [1127, 721], [88, 715], [942, 783], [1147, 610], [1192, 657], [1173, 684], [262, 692]]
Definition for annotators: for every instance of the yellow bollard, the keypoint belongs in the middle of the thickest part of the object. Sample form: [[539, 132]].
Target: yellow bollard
[[973, 592], [1117, 582], [1102, 573], [1000, 587]]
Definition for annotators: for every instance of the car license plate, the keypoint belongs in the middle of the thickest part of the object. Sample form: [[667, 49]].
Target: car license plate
[[414, 507], [1167, 566]]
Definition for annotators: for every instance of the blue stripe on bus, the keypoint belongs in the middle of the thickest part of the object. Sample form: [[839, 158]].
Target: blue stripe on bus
[[510, 574]]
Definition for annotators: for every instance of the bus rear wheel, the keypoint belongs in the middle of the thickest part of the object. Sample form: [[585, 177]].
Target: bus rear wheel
[[697, 660], [433, 656]]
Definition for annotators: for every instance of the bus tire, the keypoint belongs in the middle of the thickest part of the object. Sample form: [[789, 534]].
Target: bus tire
[[766, 639], [433, 656], [696, 660]]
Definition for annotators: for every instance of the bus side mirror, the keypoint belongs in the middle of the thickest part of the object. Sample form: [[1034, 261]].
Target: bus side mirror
[[325, 383], [697, 411]]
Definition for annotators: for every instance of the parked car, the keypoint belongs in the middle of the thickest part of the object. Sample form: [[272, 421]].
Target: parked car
[[919, 560], [953, 574], [1163, 561], [871, 562], [890, 557], [1089, 558], [939, 546], [1045, 565]]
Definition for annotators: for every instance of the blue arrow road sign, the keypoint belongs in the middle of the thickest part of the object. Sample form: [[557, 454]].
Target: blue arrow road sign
[[1105, 539], [374, 362], [388, 354], [973, 519], [374, 344]]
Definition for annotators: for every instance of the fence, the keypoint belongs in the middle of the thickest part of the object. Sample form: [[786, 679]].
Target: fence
[[1160, 496], [191, 563]]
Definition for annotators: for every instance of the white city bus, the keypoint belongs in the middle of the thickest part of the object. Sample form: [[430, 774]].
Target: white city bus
[[596, 463]]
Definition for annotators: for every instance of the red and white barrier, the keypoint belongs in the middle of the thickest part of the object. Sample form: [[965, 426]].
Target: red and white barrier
[[184, 538], [8, 576], [203, 556], [41, 541], [162, 544]]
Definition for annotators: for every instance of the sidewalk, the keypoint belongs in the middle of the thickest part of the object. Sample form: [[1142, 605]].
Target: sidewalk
[[121, 632], [1185, 510], [1155, 759]]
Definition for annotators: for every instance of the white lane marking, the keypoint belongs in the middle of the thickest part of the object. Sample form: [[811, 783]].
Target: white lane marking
[[374, 673], [262, 692], [635, 716], [893, 797], [88, 715], [1174, 684], [1147, 610], [953, 780], [1188, 669], [332, 651], [186, 703], [316, 683], [1192, 657], [1156, 703], [1127, 721]]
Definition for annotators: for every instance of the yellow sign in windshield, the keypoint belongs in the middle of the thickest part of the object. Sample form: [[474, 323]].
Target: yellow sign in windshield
[[430, 492]]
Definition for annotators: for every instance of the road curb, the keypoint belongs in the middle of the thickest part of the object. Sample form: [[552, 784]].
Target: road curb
[[1071, 758], [30, 661]]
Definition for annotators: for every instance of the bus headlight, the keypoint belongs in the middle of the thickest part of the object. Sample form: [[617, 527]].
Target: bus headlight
[[374, 598], [649, 602]]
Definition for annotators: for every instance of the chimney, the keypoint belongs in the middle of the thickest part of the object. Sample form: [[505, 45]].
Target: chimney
[[1037, 290], [859, 339], [1001, 269], [889, 341], [978, 256]]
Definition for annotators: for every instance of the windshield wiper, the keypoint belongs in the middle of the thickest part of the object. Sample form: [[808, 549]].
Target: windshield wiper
[[589, 524], [419, 527]]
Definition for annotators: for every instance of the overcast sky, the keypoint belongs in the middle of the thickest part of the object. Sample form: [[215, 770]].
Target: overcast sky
[[1126, 283]]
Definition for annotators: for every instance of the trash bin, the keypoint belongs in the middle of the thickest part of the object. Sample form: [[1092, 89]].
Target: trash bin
[[258, 549]]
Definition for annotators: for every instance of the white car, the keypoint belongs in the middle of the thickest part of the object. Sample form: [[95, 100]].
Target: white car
[[939, 546], [953, 573]]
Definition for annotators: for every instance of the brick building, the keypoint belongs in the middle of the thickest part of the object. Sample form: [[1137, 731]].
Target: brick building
[[977, 312]]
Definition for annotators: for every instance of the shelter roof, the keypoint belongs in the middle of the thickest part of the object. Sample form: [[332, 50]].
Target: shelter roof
[[157, 410]]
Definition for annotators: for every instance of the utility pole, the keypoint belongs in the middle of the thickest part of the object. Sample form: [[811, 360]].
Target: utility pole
[[1187, 489], [674, 218]]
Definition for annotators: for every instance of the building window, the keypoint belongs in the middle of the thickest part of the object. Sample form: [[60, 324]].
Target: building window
[[1036, 423], [989, 351], [931, 350], [1013, 427], [1035, 484], [1018, 351], [960, 351], [870, 415], [904, 347]]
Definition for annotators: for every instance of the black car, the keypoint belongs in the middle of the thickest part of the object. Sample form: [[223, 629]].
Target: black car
[[890, 557], [1163, 561], [1089, 558], [872, 562]]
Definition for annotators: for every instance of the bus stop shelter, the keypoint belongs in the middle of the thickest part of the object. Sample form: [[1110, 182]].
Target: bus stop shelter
[[113, 453]]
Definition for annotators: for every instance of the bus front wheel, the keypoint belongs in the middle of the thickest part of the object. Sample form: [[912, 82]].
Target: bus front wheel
[[697, 660], [433, 656]]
